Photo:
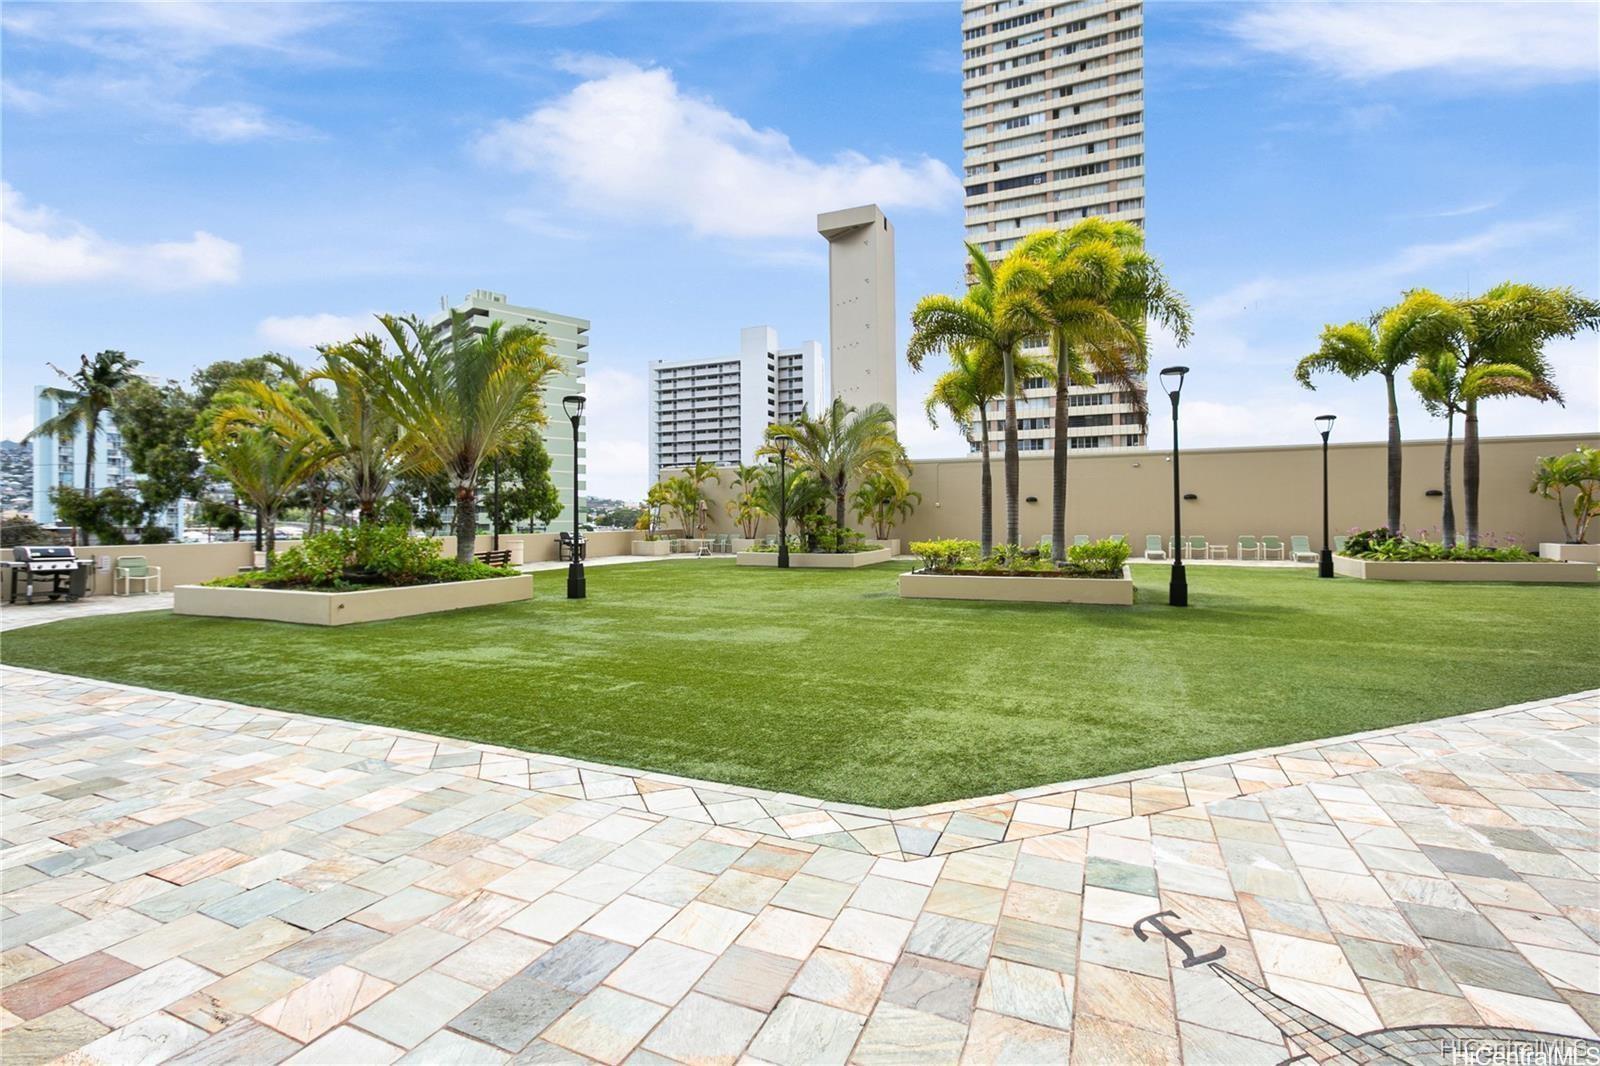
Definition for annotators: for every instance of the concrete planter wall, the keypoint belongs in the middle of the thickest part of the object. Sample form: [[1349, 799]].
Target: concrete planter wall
[[1106, 591], [652, 547], [892, 543], [1379, 570], [1571, 553], [817, 560], [348, 608], [744, 544]]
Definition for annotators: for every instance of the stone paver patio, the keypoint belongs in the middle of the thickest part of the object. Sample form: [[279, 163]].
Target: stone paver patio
[[196, 881]]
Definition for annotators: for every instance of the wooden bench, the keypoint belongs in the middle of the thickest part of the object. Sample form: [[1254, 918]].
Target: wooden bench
[[494, 558]]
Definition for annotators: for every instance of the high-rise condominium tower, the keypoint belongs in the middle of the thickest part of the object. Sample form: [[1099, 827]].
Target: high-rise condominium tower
[[861, 349], [569, 339], [719, 408], [1053, 132]]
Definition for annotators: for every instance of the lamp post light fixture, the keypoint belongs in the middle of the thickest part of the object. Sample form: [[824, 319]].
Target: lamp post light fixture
[[1325, 560], [576, 590], [1178, 589], [782, 441]]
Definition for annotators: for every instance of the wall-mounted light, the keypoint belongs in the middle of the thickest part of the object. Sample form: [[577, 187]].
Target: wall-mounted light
[[1033, 499], [1434, 492], [1190, 496]]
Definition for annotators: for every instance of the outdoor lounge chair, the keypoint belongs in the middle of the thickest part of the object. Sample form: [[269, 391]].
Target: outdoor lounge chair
[[1338, 543], [1120, 538], [131, 568], [1152, 546], [1195, 547], [1079, 539], [1301, 546], [1249, 547], [1271, 547]]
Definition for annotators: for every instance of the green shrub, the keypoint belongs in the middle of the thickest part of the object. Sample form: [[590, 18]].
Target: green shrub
[[945, 556], [1384, 546], [1099, 556], [368, 555]]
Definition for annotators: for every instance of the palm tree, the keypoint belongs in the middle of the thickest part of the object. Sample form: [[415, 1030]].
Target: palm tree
[[799, 494], [1092, 289], [1579, 470], [981, 319], [965, 391], [1510, 323], [1420, 326], [841, 445], [92, 390], [744, 508], [697, 475], [459, 398], [886, 498], [1446, 388], [264, 467], [363, 439]]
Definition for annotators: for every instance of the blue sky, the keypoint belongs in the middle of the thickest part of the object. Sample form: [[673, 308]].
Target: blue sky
[[196, 182]]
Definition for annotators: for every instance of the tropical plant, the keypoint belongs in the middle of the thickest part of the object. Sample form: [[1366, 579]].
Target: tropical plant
[[1446, 388], [887, 498], [965, 392], [1510, 324], [1421, 325], [683, 497], [1092, 289], [1580, 471], [361, 440], [90, 392], [368, 554], [264, 467], [460, 397], [798, 493], [744, 507], [1385, 546], [841, 445], [983, 321], [697, 475]]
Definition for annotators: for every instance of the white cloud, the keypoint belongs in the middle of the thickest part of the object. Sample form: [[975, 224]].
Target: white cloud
[[41, 247], [630, 143], [614, 418], [1519, 43], [308, 331], [156, 31]]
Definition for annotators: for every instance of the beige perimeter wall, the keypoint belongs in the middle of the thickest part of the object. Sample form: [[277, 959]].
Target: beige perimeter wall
[[1258, 491]]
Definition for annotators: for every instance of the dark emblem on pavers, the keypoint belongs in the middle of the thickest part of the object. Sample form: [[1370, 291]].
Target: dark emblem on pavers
[[1319, 1040], [1176, 937]]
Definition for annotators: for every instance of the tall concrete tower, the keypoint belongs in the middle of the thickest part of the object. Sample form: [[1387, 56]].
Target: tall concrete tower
[[862, 356]]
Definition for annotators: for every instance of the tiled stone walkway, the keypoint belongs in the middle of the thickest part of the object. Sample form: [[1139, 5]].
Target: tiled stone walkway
[[194, 881]]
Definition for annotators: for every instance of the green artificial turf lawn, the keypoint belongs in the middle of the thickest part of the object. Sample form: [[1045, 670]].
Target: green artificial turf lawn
[[827, 684]]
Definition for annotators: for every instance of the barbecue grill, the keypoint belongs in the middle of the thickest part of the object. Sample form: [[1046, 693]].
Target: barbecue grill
[[47, 569]]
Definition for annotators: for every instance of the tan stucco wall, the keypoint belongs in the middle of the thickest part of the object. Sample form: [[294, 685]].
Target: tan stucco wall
[[1258, 491], [181, 564]]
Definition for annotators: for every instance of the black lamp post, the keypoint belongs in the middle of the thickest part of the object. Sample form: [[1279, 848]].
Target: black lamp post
[[782, 441], [1325, 560], [1178, 590], [573, 405]]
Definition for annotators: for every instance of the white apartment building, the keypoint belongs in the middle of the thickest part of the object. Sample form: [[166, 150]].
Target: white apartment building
[[61, 462], [862, 354], [570, 337], [718, 409], [1053, 132]]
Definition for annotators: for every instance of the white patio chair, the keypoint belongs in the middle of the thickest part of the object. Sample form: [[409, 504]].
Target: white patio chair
[[1301, 547], [1271, 547], [131, 568], [1152, 546], [1249, 547]]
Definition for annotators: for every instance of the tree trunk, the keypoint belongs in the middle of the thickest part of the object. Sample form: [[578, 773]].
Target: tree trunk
[[1469, 471], [1449, 521], [1393, 457], [838, 517], [89, 434], [1011, 458], [258, 529], [270, 520], [1058, 461], [466, 523], [986, 495]]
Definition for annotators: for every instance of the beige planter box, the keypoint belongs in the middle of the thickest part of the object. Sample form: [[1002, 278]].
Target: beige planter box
[[893, 544], [1378, 570], [652, 547], [348, 608], [1106, 591], [817, 560], [1571, 553]]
